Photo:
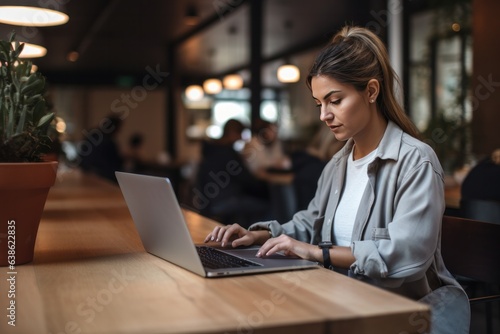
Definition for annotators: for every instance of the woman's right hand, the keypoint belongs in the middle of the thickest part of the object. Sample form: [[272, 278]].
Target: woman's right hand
[[234, 235]]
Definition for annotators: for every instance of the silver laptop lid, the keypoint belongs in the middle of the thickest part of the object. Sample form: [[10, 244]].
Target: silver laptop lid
[[159, 220]]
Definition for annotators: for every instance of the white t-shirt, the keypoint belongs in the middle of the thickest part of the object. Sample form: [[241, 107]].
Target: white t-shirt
[[356, 179]]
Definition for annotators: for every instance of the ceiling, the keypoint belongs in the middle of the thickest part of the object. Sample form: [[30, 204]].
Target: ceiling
[[120, 38]]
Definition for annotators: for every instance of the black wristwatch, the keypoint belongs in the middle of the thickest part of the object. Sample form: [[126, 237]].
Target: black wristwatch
[[325, 246]]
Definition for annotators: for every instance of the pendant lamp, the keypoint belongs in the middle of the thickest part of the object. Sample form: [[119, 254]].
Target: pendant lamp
[[30, 37], [288, 73], [33, 51], [232, 81], [212, 86], [194, 92], [32, 13]]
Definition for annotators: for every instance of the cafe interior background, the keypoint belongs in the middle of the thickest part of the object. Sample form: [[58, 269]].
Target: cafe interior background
[[142, 60]]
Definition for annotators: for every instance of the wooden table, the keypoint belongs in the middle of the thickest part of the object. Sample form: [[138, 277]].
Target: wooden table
[[91, 275]]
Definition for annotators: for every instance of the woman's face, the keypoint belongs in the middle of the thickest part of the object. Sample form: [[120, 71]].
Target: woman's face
[[345, 110]]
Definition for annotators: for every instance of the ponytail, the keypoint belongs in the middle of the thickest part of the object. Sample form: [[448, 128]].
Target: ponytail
[[355, 56]]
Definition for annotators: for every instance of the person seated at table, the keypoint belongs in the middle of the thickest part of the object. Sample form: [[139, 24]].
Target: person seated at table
[[102, 155], [134, 160], [324, 144], [378, 208], [483, 180], [308, 164], [264, 152], [224, 188]]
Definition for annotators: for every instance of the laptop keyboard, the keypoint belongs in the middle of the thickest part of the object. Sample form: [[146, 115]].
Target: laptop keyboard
[[215, 259]]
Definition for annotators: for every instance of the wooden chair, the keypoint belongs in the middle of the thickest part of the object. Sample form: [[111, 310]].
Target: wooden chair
[[471, 249]]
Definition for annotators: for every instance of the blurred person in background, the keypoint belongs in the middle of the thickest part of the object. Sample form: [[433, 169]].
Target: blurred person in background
[[225, 189], [99, 151], [135, 161], [308, 164], [483, 180], [264, 152]]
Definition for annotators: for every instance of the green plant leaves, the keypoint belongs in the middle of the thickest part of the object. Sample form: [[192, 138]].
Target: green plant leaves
[[24, 118], [45, 120]]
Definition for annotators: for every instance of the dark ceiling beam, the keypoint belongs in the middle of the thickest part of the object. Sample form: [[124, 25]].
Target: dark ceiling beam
[[222, 9], [96, 25]]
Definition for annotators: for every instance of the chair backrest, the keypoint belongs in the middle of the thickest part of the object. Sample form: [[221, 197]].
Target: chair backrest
[[479, 209], [471, 248]]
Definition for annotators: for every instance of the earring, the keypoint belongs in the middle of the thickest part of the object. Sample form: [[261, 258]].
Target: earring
[[371, 101]]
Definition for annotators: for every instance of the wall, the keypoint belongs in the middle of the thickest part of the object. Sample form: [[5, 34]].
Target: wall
[[486, 77], [188, 151], [303, 107], [84, 108]]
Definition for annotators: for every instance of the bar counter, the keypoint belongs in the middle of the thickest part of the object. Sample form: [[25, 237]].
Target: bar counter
[[91, 274]]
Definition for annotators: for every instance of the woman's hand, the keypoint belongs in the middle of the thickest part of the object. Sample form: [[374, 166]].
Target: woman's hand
[[290, 247], [234, 235]]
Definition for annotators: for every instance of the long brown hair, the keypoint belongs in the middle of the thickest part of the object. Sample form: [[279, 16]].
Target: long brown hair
[[355, 56]]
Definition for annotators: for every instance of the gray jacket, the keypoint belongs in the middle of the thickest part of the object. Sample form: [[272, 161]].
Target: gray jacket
[[396, 238]]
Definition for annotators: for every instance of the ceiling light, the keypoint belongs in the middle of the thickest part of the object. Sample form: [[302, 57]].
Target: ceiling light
[[32, 51], [72, 56], [60, 125], [32, 41], [212, 86], [194, 92], [233, 81], [288, 73], [31, 16]]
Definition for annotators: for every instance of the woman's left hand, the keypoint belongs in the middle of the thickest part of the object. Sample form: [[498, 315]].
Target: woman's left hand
[[290, 247]]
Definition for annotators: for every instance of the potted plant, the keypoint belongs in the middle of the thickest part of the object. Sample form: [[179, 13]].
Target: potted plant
[[25, 178]]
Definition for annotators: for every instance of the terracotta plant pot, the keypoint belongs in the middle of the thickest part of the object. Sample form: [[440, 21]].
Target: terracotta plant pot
[[23, 191]]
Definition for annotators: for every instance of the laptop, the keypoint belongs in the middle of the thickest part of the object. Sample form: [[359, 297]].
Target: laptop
[[162, 228]]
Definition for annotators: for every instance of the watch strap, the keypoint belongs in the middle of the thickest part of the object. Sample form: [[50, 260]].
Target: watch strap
[[325, 247], [326, 257]]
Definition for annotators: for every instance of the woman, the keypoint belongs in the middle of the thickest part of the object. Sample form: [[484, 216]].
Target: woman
[[379, 203]]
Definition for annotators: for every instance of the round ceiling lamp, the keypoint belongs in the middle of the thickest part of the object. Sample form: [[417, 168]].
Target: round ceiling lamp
[[32, 51], [30, 14], [32, 41], [194, 92], [288, 73], [212, 86], [232, 81], [73, 56]]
